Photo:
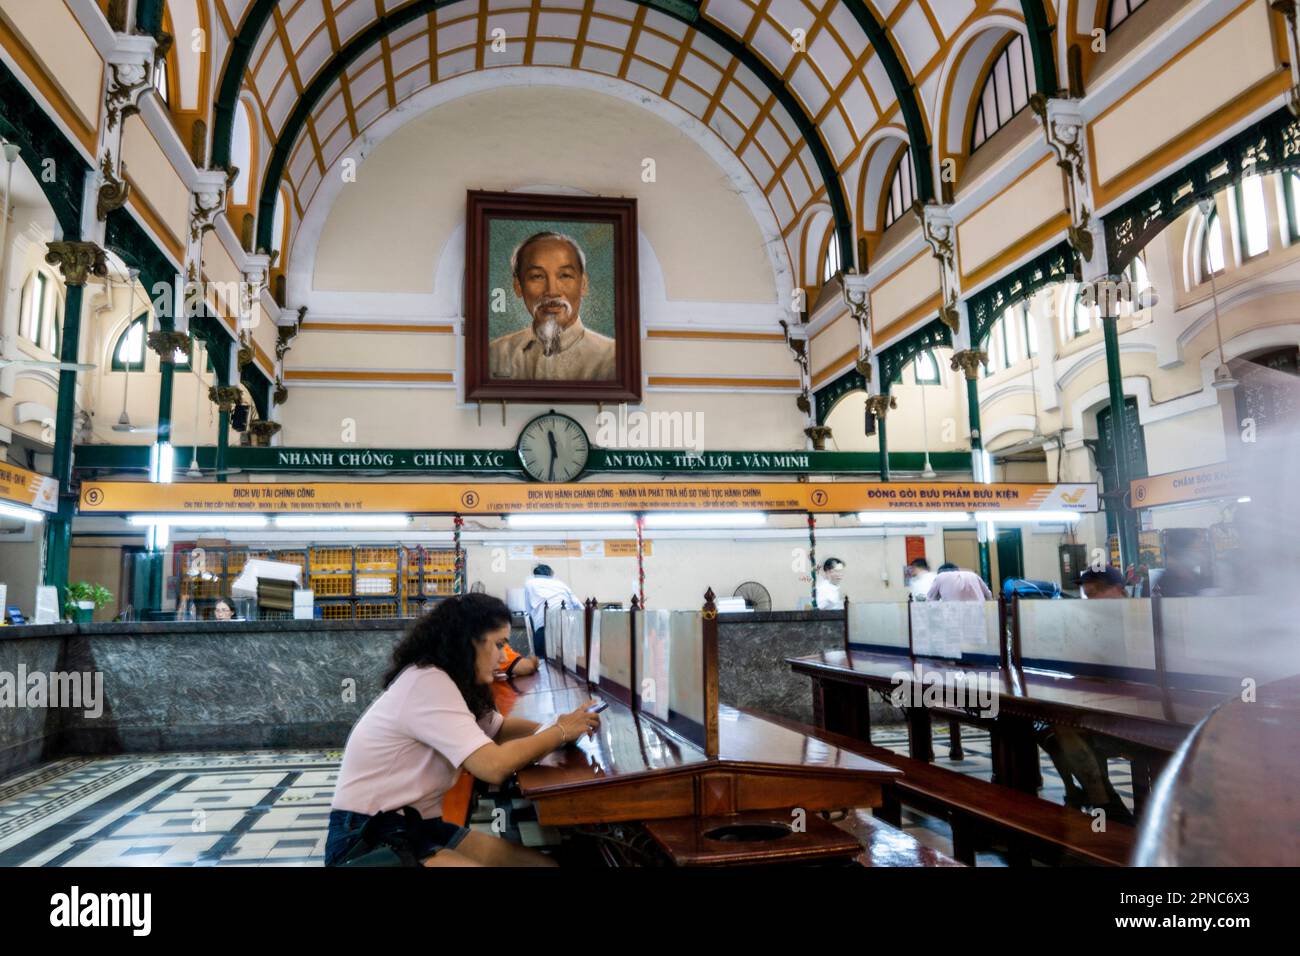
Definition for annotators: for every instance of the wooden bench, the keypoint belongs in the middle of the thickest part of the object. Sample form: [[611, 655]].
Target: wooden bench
[[981, 813], [857, 838], [885, 845]]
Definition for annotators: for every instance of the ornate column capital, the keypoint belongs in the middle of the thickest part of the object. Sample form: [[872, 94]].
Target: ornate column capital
[[167, 344], [261, 432], [818, 434], [969, 361], [225, 397], [77, 261], [879, 405]]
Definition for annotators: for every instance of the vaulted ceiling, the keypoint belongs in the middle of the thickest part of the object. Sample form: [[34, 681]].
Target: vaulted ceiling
[[320, 72]]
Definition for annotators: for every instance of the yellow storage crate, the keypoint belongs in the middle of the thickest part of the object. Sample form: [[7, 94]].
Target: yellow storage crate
[[439, 562], [377, 585], [292, 556], [336, 610], [376, 559], [236, 560], [332, 585], [376, 610], [200, 589], [331, 559]]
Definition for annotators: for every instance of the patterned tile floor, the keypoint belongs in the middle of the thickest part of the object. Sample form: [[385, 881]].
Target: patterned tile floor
[[270, 808]]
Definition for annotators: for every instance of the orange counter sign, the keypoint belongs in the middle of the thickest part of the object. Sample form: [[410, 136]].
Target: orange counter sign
[[502, 498], [1190, 484], [27, 488]]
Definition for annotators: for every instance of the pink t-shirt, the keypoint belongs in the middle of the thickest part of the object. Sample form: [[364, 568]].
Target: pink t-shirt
[[407, 748]]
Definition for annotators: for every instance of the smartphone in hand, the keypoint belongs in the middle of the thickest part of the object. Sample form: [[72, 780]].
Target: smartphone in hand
[[597, 707]]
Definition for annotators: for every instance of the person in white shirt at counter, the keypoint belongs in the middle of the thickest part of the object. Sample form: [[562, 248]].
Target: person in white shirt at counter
[[828, 585], [957, 584], [922, 578], [541, 588]]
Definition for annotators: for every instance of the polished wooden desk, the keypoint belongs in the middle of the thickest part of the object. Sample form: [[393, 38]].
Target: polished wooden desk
[[1151, 721], [1230, 796], [635, 769]]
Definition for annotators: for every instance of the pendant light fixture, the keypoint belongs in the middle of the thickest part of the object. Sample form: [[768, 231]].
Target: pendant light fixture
[[1223, 380], [124, 420]]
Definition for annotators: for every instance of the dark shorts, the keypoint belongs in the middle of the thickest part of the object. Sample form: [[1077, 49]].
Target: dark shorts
[[432, 836]]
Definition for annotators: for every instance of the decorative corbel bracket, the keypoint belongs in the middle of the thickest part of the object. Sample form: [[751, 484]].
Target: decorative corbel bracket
[[262, 431], [797, 341], [128, 75], [939, 232], [256, 270], [1064, 128], [858, 300]]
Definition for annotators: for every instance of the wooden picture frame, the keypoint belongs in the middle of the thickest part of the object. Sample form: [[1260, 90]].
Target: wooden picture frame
[[504, 358]]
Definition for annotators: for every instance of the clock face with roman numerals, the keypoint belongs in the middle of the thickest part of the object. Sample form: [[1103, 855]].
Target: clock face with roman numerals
[[553, 447]]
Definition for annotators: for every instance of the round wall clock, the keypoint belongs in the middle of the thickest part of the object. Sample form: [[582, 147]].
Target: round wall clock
[[553, 447]]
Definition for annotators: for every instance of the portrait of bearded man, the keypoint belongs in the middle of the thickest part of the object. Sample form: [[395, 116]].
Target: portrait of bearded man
[[550, 277]]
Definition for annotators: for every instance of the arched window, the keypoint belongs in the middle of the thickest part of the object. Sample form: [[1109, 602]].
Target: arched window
[[1251, 220], [280, 225], [1210, 259], [41, 312], [1004, 94], [1029, 334], [1120, 11], [128, 353], [926, 369], [1291, 188], [902, 189], [831, 263], [241, 154], [1083, 317]]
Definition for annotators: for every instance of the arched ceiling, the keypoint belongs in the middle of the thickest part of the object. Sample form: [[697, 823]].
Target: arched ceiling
[[321, 71]]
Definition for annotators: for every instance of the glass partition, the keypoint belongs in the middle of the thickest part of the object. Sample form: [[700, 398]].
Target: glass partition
[[954, 629], [686, 657], [616, 650], [1228, 637], [1106, 634], [879, 625]]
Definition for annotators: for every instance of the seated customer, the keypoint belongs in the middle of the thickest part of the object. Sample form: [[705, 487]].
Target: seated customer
[[435, 715], [514, 664], [1102, 583], [1079, 756]]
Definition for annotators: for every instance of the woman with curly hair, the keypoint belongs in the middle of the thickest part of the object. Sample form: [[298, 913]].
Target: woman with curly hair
[[435, 715]]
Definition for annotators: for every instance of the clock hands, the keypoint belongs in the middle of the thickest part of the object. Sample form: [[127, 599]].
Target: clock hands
[[550, 436]]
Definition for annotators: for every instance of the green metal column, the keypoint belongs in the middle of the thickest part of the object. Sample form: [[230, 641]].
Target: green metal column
[[1117, 497], [223, 442], [882, 435], [977, 456], [58, 528]]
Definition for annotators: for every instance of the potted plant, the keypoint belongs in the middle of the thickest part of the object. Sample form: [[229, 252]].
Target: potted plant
[[84, 599]]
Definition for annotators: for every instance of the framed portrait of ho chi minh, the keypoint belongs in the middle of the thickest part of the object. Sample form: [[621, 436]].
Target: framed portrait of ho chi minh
[[551, 299]]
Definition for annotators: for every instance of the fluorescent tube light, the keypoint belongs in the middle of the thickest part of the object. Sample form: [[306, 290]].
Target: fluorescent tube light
[[1027, 517], [198, 521], [353, 521], [914, 517], [705, 519], [565, 521], [21, 512]]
